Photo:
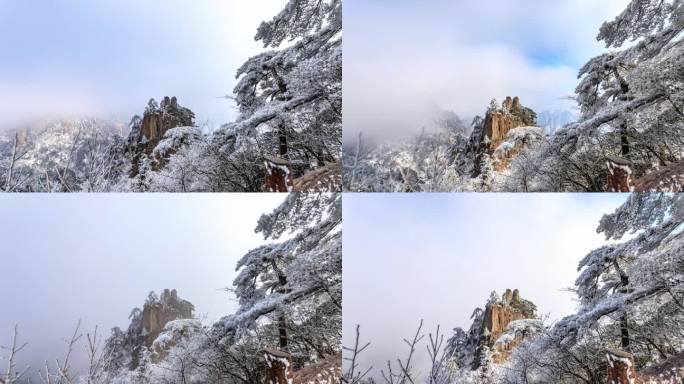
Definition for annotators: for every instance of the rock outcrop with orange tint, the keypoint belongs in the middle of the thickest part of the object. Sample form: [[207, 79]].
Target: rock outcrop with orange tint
[[496, 330], [326, 371], [515, 141], [279, 369], [327, 178], [516, 332], [667, 179], [498, 121], [498, 336], [620, 177]]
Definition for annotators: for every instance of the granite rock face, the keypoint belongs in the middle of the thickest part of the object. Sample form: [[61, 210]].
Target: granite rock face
[[148, 131], [667, 179], [279, 369], [496, 330], [505, 324], [621, 177], [127, 349], [498, 121], [157, 313], [499, 315]]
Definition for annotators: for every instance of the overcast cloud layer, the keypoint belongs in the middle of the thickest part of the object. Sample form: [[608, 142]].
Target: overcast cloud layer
[[406, 59], [96, 257], [82, 57], [437, 257]]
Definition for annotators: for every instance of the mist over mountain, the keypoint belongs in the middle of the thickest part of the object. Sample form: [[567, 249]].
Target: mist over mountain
[[552, 121], [283, 133], [627, 134]]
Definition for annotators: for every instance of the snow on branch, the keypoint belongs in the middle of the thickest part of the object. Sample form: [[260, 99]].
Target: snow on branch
[[231, 323]]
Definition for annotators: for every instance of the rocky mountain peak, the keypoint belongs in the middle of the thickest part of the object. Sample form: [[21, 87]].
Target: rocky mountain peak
[[128, 348], [498, 317], [505, 321], [157, 312], [491, 132], [498, 121], [159, 118], [148, 131]]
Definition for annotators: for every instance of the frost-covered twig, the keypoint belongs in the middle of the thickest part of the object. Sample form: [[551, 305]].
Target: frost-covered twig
[[63, 374], [351, 376], [357, 156], [405, 373], [63, 175], [438, 374], [16, 156], [11, 376]]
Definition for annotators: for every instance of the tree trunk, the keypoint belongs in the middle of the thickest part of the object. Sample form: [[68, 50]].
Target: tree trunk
[[282, 321], [624, 329], [282, 139], [624, 141], [624, 333], [282, 332]]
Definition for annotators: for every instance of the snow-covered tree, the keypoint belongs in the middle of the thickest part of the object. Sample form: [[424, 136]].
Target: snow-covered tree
[[436, 160], [289, 290], [630, 297], [290, 97], [62, 156], [631, 100], [290, 103]]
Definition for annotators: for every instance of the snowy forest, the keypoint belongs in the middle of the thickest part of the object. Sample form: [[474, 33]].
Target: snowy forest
[[628, 136], [627, 328], [287, 136], [286, 329]]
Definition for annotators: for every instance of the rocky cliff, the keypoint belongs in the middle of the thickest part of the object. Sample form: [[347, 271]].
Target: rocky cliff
[[499, 314], [148, 131], [128, 348], [156, 313], [621, 369], [514, 142], [621, 177], [496, 330], [279, 369], [279, 177], [491, 132], [504, 324]]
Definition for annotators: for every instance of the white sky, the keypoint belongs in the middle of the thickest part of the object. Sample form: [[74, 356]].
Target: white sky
[[96, 257], [104, 58], [438, 256], [405, 59]]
